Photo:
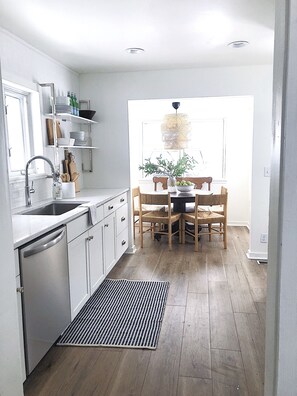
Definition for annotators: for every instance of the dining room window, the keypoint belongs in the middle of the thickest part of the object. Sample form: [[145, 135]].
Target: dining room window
[[207, 145]]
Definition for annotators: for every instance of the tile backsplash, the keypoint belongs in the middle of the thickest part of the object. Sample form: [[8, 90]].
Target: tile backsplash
[[42, 187]]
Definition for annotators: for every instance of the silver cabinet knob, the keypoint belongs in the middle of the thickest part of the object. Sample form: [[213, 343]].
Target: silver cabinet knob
[[20, 289]]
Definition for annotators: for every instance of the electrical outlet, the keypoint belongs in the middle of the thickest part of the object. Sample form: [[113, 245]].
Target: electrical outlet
[[266, 171], [264, 238]]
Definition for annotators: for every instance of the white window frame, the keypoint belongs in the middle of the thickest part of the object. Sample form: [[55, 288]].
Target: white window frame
[[31, 126]]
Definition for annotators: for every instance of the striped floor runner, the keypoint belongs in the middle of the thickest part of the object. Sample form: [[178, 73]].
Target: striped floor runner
[[121, 313]]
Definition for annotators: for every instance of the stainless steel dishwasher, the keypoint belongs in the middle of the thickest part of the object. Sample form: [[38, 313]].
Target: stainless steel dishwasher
[[45, 298]]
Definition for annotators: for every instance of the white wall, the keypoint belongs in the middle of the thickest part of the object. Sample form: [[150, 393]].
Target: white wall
[[110, 92], [24, 65]]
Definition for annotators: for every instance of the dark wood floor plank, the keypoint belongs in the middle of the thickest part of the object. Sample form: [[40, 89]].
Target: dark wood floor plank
[[129, 376], [215, 267], [222, 325], [173, 268], [252, 366], [259, 295], [261, 309], [195, 357], [188, 386], [78, 371], [228, 373], [197, 273], [240, 294], [162, 373]]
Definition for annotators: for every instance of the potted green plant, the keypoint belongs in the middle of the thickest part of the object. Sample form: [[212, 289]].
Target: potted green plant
[[169, 168]]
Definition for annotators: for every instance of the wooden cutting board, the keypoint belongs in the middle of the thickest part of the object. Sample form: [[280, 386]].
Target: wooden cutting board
[[50, 130], [74, 175]]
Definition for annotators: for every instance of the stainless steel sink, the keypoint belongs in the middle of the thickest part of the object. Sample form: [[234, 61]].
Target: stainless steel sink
[[53, 209]]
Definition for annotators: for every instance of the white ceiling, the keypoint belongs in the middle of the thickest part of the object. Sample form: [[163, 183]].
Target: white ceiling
[[92, 35]]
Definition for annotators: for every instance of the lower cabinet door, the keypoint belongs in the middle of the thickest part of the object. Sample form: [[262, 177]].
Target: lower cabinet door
[[109, 242], [122, 243], [96, 262], [78, 273]]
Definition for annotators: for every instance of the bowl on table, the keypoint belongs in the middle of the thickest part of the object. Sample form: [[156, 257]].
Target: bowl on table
[[184, 188]]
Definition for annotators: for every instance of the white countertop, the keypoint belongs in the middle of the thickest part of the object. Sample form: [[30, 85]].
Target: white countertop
[[29, 227]]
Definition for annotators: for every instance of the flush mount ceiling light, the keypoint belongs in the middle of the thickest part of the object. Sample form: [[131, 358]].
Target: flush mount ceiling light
[[238, 44], [134, 50], [175, 130]]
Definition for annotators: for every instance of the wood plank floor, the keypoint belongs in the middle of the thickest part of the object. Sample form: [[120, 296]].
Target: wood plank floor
[[212, 337]]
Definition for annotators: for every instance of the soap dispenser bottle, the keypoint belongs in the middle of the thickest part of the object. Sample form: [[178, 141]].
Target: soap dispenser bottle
[[57, 187]]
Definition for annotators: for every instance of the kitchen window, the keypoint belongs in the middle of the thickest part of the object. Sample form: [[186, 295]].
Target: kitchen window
[[23, 128]]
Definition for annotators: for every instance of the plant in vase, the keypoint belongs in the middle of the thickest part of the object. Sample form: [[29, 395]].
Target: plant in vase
[[172, 169]]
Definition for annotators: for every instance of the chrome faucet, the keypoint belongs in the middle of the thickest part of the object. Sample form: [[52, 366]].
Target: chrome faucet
[[28, 191]]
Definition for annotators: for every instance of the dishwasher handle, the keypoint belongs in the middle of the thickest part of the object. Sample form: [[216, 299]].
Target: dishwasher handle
[[45, 246]]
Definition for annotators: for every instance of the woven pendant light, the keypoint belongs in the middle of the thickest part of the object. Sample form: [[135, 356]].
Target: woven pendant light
[[176, 129]]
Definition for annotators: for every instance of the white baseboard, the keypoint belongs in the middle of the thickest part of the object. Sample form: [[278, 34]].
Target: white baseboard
[[256, 256], [239, 224], [131, 250]]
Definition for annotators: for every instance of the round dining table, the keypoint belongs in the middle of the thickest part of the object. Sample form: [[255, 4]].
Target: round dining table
[[180, 199]]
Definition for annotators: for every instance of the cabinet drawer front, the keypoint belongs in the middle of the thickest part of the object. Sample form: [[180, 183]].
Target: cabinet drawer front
[[114, 204], [122, 218], [122, 243], [77, 227]]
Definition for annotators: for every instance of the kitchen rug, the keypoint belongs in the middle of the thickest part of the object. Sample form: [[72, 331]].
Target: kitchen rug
[[121, 313]]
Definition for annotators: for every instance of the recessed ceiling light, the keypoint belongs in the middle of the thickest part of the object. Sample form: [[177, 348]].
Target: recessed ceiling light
[[134, 50], [238, 44]]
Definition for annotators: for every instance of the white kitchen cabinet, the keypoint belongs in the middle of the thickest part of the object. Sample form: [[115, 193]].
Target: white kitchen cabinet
[[85, 261], [78, 273], [109, 242], [95, 250], [121, 230]]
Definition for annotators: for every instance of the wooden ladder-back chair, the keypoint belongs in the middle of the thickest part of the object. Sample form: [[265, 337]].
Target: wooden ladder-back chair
[[162, 180], [216, 222], [135, 208], [197, 181], [158, 219]]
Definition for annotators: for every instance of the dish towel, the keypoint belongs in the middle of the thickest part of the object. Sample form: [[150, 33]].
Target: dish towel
[[92, 214]]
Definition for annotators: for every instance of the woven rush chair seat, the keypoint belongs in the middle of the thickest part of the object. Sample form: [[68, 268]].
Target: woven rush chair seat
[[216, 222], [158, 219]]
